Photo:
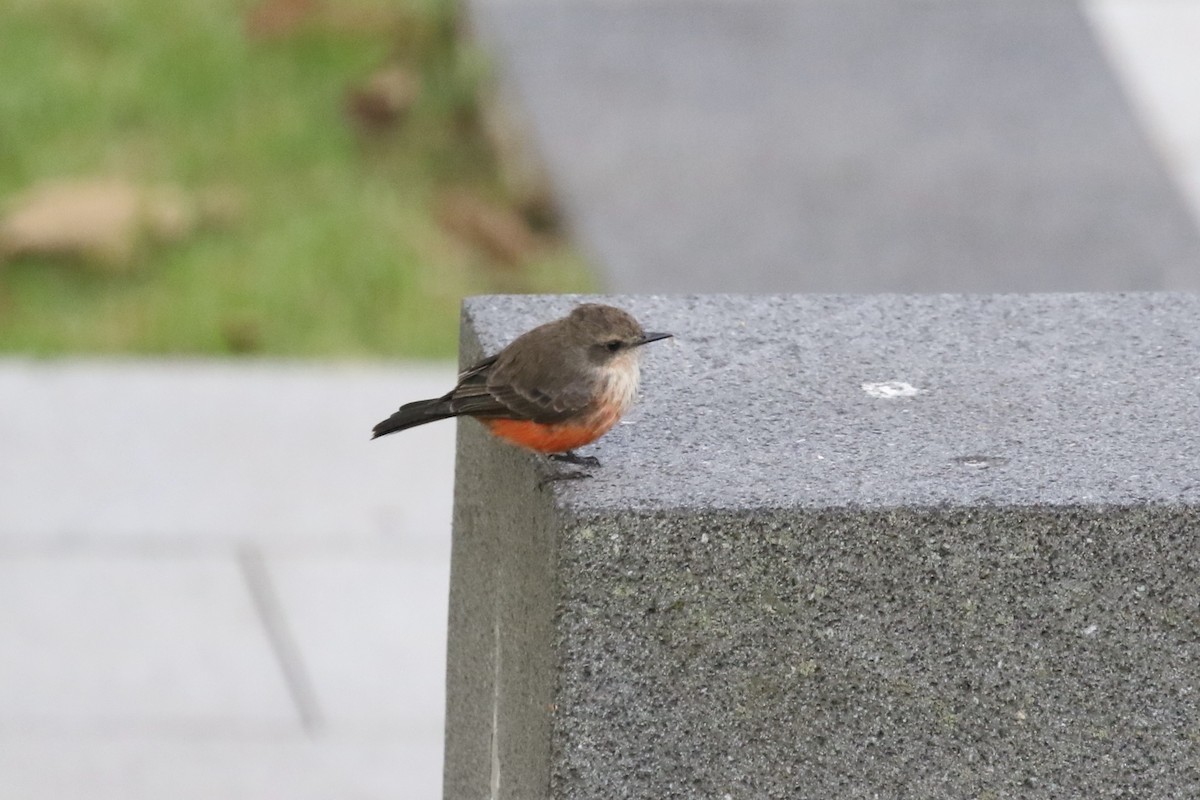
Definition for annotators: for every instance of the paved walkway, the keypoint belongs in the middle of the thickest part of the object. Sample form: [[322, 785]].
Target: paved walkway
[[864, 145], [212, 585]]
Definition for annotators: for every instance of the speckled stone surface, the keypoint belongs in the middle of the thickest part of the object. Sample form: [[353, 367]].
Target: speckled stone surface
[[850, 547]]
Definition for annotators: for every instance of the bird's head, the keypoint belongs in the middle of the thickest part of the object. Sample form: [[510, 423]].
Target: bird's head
[[607, 333]]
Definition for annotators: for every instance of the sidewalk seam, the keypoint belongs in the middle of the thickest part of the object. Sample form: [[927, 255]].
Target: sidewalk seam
[[282, 642]]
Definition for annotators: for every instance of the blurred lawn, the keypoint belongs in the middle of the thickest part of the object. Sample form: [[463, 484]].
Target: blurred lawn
[[334, 250]]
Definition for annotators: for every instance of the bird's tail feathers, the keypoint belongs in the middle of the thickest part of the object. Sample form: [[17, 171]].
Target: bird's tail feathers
[[411, 415]]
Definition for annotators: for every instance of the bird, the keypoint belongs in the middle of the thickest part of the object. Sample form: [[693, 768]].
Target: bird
[[552, 390]]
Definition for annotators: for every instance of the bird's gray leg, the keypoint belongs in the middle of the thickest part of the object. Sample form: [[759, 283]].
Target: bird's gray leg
[[571, 457]]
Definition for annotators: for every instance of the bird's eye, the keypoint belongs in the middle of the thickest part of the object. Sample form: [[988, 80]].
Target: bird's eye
[[613, 346]]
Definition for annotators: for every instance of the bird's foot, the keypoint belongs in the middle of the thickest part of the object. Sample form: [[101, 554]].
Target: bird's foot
[[571, 457]]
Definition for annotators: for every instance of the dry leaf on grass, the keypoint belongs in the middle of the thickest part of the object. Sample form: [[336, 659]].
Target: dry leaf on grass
[[499, 232], [279, 19], [276, 18], [384, 99], [104, 222]]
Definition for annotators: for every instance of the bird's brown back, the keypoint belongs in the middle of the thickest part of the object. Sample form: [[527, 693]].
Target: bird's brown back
[[547, 374]]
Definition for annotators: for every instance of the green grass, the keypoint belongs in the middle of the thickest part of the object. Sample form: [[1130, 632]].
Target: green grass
[[333, 252]]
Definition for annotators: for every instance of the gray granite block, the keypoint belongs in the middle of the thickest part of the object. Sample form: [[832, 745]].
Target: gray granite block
[[847, 547], [843, 145]]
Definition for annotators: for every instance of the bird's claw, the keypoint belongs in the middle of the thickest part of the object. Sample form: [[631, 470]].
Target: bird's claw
[[571, 457]]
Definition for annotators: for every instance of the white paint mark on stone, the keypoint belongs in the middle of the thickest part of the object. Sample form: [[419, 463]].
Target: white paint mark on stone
[[888, 390], [1090, 630]]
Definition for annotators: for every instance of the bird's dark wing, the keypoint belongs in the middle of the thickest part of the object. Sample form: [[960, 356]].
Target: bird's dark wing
[[491, 389], [470, 394], [479, 370], [423, 411], [540, 405]]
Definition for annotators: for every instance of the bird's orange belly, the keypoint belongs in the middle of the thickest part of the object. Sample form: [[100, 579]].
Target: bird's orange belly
[[551, 438]]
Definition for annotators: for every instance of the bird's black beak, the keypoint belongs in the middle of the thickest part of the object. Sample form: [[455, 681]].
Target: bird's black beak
[[647, 338]]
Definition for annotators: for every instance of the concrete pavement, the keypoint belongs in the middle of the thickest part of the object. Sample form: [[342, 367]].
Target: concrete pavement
[[212, 584]]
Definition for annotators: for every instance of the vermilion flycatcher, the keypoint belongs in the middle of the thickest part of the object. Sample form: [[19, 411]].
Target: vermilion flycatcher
[[555, 388]]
